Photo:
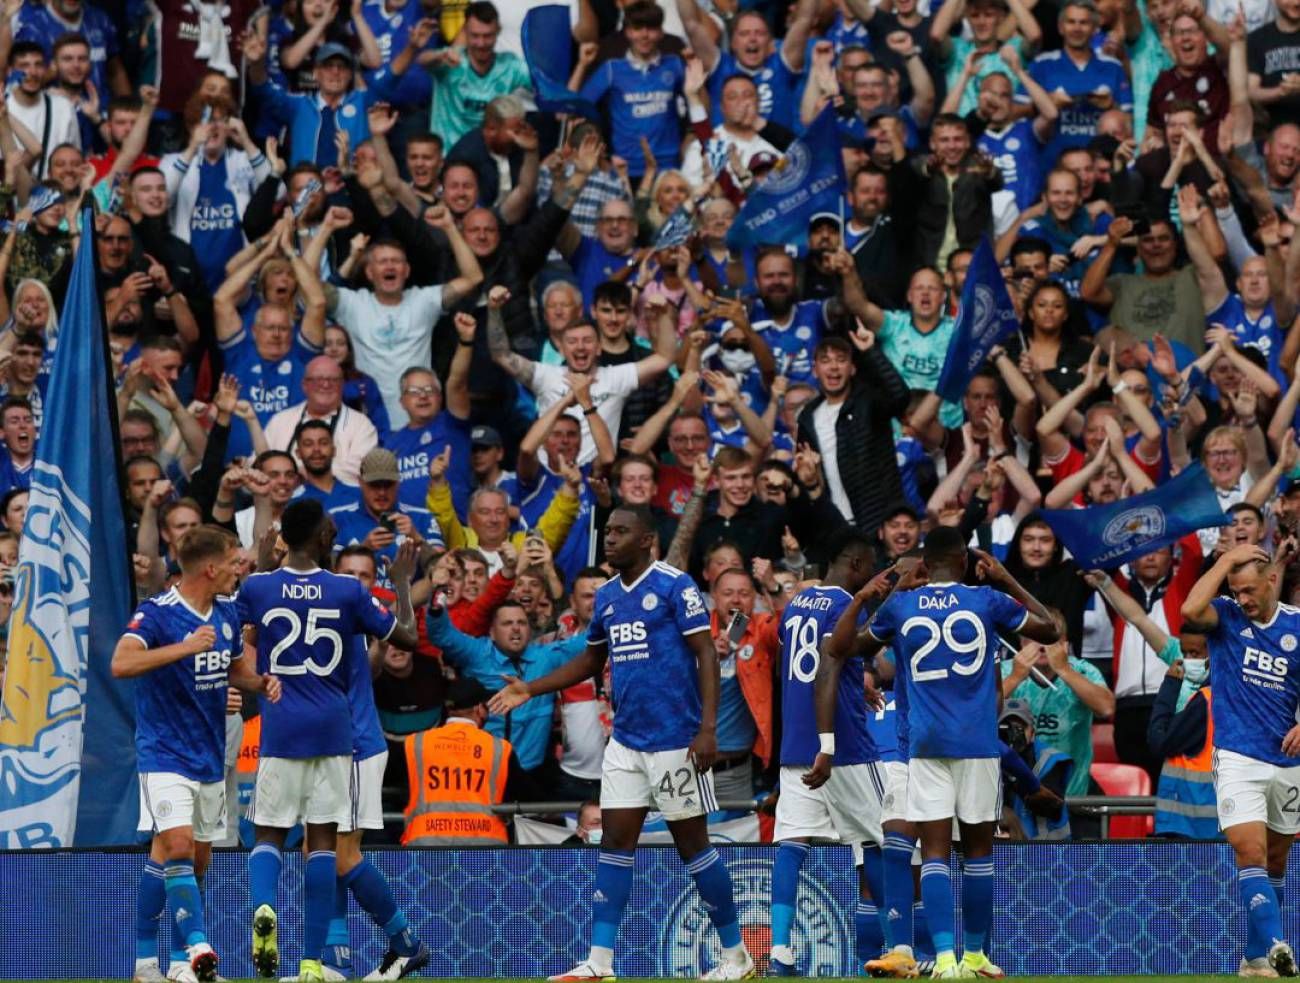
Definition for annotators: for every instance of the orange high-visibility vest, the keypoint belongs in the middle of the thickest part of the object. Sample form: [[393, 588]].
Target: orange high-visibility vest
[[456, 772], [250, 747]]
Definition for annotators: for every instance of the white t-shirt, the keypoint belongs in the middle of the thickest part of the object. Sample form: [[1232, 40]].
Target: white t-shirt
[[63, 124], [824, 419], [389, 339], [609, 392]]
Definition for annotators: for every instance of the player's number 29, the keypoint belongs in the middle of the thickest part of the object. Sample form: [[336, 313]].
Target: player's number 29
[[315, 633], [944, 631]]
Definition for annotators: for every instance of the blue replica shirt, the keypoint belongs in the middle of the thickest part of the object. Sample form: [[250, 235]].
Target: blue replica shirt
[[1255, 692], [1054, 70], [355, 523], [415, 447], [899, 702], [912, 458], [527, 728], [12, 476], [576, 551], [1018, 155], [843, 35], [944, 638], [594, 264], [1262, 334], [40, 24], [309, 625], [340, 495], [736, 728], [391, 31], [777, 88], [215, 230], [794, 342], [367, 734], [810, 616], [641, 101], [269, 386], [180, 708], [655, 679]]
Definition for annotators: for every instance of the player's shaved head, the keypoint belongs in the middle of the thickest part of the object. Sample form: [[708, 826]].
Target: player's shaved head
[[300, 522], [203, 544], [945, 547], [643, 519]]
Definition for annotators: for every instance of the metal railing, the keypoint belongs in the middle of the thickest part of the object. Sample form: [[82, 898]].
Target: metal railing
[[1103, 806]]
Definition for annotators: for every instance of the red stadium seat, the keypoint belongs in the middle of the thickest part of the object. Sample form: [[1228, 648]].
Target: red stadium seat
[[1103, 744], [1117, 779]]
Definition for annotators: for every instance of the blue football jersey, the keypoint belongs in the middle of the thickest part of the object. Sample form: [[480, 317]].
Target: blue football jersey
[[180, 708], [775, 82], [654, 676], [882, 725], [1077, 124], [308, 624], [641, 100], [945, 643], [355, 523], [793, 344], [899, 701], [1263, 334], [268, 386], [1256, 694], [1016, 152], [414, 447], [805, 623], [367, 733]]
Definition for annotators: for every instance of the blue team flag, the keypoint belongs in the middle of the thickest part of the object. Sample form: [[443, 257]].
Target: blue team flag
[[807, 180], [67, 758], [985, 318], [676, 230], [1105, 536], [546, 42]]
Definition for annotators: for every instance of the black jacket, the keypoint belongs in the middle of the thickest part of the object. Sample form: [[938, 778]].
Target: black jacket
[[472, 149], [864, 437], [920, 201]]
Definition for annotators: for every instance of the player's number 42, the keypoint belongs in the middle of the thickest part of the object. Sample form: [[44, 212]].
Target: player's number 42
[[314, 633]]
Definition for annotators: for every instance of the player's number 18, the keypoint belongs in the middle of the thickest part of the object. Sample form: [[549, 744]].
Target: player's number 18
[[314, 633]]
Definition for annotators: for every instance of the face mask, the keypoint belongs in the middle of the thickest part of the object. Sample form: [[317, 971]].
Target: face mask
[[1195, 671], [593, 837], [737, 361]]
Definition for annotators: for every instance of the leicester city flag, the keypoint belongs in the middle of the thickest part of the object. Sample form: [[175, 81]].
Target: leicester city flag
[[1104, 536], [986, 318], [675, 231], [67, 759], [547, 42], [807, 180]]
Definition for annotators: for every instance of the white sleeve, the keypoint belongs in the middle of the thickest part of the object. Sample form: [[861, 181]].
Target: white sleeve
[[347, 311], [623, 379], [428, 305]]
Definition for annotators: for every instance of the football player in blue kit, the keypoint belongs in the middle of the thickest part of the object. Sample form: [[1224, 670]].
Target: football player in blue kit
[[185, 648], [945, 640], [306, 623], [1252, 639], [818, 803], [650, 623]]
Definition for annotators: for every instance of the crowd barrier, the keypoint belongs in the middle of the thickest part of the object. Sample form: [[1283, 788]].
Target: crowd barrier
[[1106, 908]]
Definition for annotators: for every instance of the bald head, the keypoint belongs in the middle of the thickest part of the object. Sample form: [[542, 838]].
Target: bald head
[[323, 384]]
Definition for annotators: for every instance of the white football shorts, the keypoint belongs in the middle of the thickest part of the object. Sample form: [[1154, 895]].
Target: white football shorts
[[367, 794], [1251, 791], [846, 808], [290, 791], [169, 801], [967, 789], [662, 780]]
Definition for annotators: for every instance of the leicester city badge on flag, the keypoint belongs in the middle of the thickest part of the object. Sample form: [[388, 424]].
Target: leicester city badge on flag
[[986, 318], [807, 180], [1105, 536], [67, 763], [675, 231]]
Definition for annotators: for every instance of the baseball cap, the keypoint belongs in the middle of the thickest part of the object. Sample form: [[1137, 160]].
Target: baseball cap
[[902, 508], [465, 692], [484, 436], [1019, 710], [380, 465], [334, 50], [821, 217]]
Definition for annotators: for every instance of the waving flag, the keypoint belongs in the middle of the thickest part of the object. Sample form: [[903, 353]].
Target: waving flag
[[1105, 536], [676, 230], [807, 180], [547, 47], [72, 596], [986, 317]]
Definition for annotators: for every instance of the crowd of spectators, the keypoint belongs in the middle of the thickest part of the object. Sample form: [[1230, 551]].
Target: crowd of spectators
[[343, 256]]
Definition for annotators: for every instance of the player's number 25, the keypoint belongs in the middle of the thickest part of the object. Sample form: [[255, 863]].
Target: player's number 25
[[315, 633], [944, 632]]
